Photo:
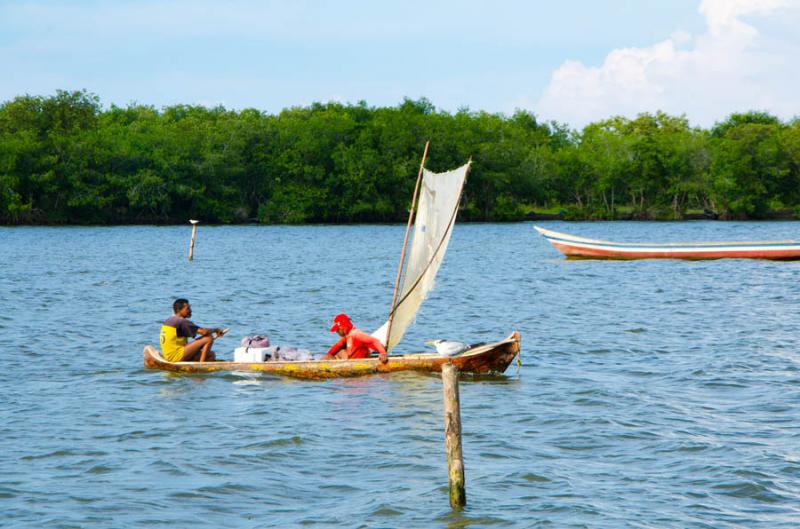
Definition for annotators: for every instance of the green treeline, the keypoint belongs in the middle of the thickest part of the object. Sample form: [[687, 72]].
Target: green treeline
[[65, 160]]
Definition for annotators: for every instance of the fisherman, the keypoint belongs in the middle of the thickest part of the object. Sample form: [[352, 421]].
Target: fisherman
[[354, 343], [175, 333]]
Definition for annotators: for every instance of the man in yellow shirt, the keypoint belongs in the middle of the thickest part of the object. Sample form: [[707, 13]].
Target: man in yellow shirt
[[176, 331]]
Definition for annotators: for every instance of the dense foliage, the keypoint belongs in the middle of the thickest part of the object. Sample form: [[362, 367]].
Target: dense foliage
[[64, 159]]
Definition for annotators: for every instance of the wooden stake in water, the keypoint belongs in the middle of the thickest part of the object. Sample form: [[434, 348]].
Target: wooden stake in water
[[452, 436], [194, 234]]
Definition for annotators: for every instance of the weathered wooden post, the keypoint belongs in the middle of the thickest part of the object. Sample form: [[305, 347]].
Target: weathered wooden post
[[452, 436], [194, 234]]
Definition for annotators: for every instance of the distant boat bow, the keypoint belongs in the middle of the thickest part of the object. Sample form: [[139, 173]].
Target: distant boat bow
[[582, 248]]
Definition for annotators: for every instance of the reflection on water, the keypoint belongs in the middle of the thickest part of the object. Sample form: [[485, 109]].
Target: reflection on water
[[651, 393]]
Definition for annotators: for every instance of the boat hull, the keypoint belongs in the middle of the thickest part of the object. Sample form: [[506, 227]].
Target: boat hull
[[582, 248], [487, 358]]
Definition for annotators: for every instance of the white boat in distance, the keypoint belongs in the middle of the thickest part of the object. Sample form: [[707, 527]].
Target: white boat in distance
[[582, 248]]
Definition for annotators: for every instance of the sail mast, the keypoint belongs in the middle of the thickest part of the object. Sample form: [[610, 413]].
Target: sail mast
[[405, 243]]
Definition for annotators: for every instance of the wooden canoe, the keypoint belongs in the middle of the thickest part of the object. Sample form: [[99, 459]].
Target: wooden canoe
[[486, 358], [582, 248]]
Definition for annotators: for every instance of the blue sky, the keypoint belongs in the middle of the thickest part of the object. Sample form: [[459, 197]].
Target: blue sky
[[573, 61]]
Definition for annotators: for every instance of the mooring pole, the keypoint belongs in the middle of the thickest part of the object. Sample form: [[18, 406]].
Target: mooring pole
[[194, 234], [452, 436]]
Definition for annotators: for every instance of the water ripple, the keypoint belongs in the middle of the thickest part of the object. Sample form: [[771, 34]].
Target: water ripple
[[651, 394]]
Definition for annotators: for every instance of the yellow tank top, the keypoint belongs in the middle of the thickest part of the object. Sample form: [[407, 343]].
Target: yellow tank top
[[171, 344]]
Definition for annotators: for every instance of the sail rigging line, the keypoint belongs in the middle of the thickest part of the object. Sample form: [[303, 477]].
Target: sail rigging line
[[427, 266], [405, 244], [435, 252]]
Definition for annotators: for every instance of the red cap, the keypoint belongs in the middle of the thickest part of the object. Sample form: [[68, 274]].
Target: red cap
[[341, 321]]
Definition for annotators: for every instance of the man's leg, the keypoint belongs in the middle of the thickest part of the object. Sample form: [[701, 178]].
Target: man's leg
[[193, 351], [206, 354]]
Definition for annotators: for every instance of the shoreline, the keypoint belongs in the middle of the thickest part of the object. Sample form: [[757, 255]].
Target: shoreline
[[528, 218]]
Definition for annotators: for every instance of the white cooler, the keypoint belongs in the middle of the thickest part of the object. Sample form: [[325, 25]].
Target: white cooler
[[250, 354]]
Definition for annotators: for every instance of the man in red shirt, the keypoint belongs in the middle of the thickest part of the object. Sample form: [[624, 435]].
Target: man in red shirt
[[354, 343]]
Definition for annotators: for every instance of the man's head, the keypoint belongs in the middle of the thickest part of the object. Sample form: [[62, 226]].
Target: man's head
[[182, 308], [341, 324]]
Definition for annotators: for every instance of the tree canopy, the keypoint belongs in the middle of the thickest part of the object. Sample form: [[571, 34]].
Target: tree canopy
[[64, 159]]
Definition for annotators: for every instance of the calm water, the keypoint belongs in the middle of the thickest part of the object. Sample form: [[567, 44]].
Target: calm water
[[652, 393]]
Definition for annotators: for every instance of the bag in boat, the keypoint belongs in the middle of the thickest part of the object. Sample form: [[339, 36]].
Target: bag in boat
[[258, 341], [292, 354]]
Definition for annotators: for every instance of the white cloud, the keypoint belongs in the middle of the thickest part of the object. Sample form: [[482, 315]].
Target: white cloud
[[732, 67]]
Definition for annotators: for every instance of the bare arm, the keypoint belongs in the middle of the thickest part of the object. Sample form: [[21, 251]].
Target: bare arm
[[338, 346], [377, 345]]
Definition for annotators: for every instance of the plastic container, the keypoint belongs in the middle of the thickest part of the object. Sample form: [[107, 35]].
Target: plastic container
[[250, 354]]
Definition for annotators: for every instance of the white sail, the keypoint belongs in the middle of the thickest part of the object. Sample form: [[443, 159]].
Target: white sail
[[436, 213]]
